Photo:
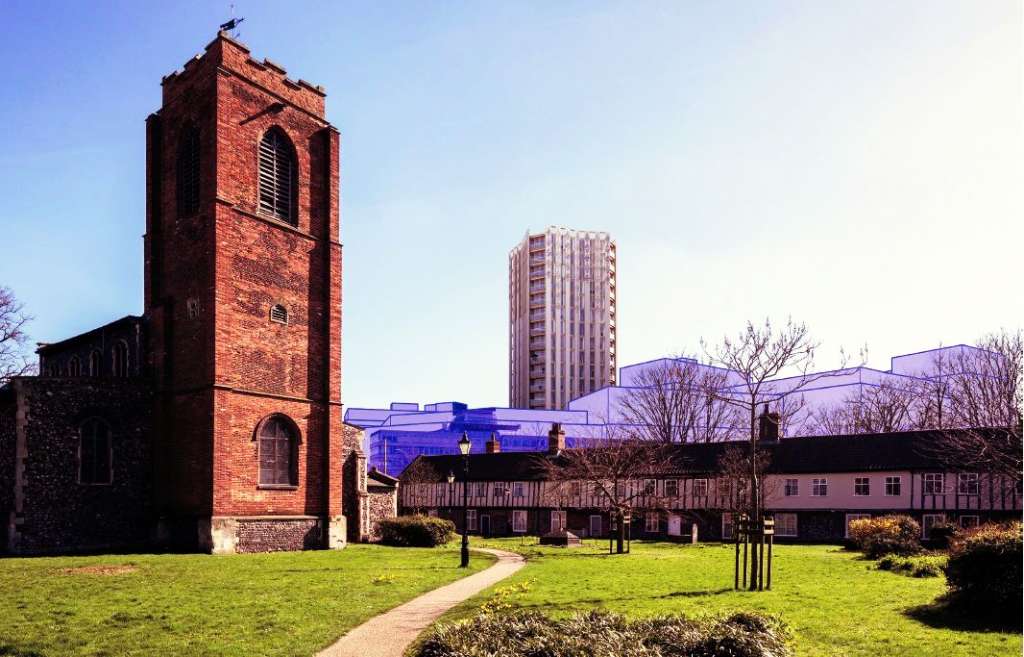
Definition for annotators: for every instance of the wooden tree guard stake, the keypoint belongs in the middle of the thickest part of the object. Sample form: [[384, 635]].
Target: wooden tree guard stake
[[744, 531]]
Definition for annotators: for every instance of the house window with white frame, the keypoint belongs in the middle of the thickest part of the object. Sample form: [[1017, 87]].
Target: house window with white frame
[[933, 483], [575, 488], [700, 487], [785, 525], [893, 486], [481, 489], [969, 522], [861, 486], [519, 521], [499, 489], [518, 489], [819, 487], [727, 526], [928, 521], [651, 522], [471, 520], [650, 486], [671, 488], [792, 488], [967, 483], [850, 517]]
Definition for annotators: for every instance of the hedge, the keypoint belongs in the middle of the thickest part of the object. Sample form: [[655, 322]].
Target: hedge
[[984, 568], [886, 535], [531, 634], [416, 531]]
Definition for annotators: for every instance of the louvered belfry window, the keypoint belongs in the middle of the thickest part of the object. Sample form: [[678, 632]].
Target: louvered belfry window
[[277, 448], [277, 177], [188, 172]]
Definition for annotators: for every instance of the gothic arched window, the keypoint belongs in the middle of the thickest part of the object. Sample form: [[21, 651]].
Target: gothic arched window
[[119, 359], [94, 452], [278, 447], [95, 362], [278, 177], [188, 171], [74, 367]]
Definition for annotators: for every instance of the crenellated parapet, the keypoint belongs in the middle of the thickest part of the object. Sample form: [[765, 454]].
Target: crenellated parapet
[[231, 57]]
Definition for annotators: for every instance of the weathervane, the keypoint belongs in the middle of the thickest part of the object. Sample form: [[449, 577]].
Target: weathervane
[[232, 24]]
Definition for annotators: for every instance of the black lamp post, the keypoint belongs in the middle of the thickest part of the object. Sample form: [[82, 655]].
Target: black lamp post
[[451, 504], [464, 445]]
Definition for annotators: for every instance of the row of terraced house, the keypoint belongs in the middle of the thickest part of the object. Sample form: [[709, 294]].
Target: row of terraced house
[[814, 487]]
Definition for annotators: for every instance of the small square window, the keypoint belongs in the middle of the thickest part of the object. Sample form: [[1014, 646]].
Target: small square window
[[819, 487], [700, 487], [893, 486], [671, 487], [861, 486], [792, 488], [518, 489]]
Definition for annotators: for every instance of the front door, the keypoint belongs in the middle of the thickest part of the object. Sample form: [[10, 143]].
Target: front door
[[675, 525], [485, 525], [595, 526]]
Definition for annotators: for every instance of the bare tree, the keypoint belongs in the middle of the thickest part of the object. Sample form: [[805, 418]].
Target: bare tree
[[13, 319], [980, 394], [759, 354], [675, 401], [421, 472], [886, 407], [611, 469], [733, 467]]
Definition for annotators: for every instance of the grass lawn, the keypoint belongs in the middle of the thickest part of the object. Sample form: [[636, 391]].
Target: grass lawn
[[291, 603], [834, 601]]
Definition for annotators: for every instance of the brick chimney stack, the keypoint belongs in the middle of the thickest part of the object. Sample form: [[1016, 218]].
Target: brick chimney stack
[[768, 426], [556, 438], [493, 445]]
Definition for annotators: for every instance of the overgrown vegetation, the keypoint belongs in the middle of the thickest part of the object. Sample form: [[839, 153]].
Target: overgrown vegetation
[[877, 537], [984, 569], [416, 531], [531, 634], [915, 566]]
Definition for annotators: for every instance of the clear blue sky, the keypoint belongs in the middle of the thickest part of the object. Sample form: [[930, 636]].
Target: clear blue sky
[[854, 164]]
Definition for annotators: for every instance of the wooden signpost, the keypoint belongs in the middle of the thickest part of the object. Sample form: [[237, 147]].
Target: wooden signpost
[[745, 531]]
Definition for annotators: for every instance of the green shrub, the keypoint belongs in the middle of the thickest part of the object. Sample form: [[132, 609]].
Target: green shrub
[[531, 634], [941, 535], [984, 568], [416, 531], [886, 535], [919, 566]]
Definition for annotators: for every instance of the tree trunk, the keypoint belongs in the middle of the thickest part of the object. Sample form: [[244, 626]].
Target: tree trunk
[[755, 506], [620, 538]]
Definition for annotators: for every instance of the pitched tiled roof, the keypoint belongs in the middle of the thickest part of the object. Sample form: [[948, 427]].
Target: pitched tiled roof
[[905, 450]]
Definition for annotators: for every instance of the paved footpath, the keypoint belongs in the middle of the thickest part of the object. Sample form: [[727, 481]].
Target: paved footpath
[[389, 634]]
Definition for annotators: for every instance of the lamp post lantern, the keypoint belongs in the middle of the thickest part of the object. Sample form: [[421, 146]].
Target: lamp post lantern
[[464, 446], [451, 503]]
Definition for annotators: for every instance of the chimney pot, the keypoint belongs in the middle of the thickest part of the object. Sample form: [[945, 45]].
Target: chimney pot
[[556, 438]]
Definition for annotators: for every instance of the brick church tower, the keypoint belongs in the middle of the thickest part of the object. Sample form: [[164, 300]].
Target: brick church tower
[[243, 307]]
